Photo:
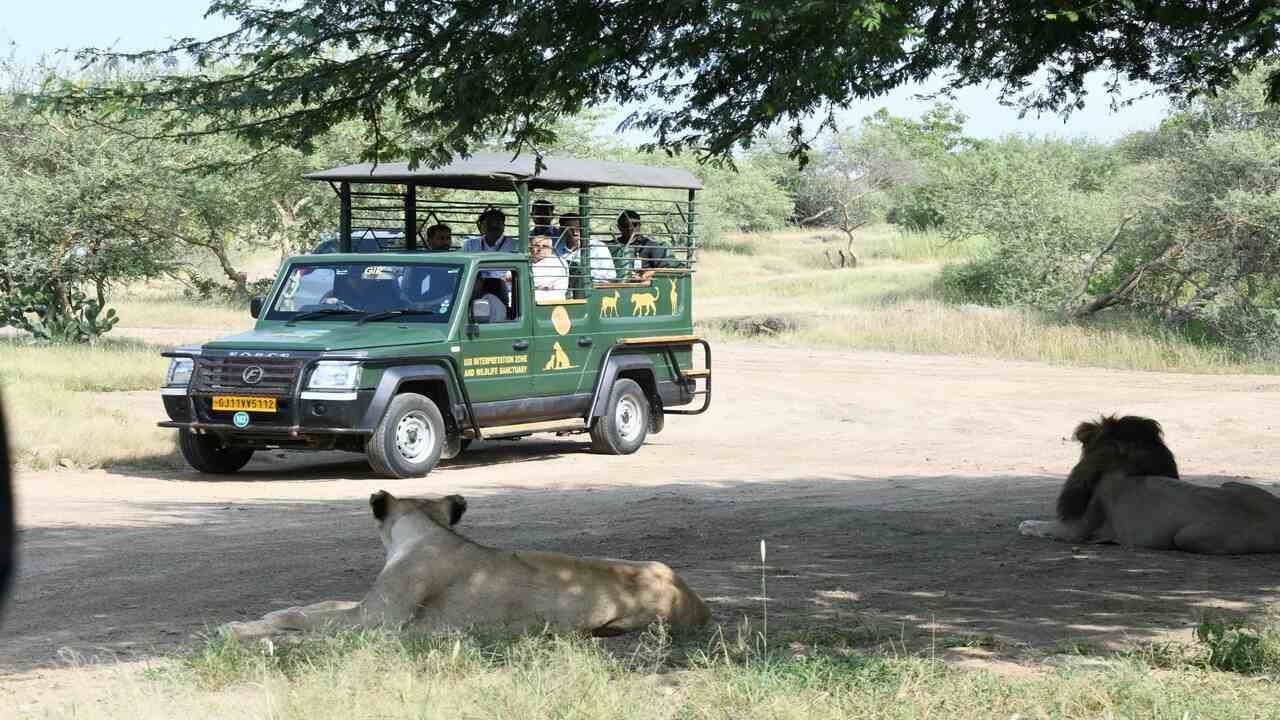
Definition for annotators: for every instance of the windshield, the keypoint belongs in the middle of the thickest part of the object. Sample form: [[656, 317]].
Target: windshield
[[350, 291]]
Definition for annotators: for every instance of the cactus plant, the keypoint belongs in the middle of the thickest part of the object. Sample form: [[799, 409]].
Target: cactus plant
[[56, 314]]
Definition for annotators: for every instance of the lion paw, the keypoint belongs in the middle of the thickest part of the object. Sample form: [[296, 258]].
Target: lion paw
[[1032, 528]]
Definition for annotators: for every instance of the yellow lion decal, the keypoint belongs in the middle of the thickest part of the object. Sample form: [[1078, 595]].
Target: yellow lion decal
[[644, 304]]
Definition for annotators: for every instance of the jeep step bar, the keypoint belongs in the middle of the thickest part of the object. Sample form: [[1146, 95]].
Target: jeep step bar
[[510, 431]]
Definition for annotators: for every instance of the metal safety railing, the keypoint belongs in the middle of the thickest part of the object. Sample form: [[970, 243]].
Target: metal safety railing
[[629, 237]]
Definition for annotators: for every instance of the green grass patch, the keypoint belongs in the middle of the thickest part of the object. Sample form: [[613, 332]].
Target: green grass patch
[[412, 675]]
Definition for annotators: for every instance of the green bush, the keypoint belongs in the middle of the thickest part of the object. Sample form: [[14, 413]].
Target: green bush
[[976, 281], [1235, 646], [1181, 224]]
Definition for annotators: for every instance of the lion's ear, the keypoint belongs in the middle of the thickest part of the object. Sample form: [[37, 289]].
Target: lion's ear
[[379, 502], [1151, 426], [457, 506], [1086, 432]]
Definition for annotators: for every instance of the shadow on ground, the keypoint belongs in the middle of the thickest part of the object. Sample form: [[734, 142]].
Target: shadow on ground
[[328, 466], [908, 556]]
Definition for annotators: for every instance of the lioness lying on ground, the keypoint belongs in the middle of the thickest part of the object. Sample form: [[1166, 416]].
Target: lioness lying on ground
[[435, 578], [1126, 490]]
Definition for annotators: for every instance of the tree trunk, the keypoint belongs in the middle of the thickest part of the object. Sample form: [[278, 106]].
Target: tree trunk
[[288, 215], [239, 279], [841, 259]]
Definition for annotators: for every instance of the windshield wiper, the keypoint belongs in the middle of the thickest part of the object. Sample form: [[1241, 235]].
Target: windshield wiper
[[392, 313], [320, 312]]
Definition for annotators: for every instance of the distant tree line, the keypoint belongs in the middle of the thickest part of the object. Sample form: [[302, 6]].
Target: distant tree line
[[1177, 223]]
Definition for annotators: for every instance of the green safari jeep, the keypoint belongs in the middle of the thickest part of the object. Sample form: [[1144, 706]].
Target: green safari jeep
[[410, 353]]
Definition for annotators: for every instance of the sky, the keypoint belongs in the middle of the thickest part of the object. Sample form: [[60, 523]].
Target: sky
[[37, 28]]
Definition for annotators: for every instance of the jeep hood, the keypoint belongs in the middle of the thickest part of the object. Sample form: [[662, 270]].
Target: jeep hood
[[325, 336]]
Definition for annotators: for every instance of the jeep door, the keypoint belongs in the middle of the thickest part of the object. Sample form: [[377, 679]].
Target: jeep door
[[495, 356], [562, 346]]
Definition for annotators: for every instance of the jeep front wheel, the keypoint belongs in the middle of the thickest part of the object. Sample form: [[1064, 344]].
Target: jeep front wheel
[[207, 454], [409, 440], [622, 428]]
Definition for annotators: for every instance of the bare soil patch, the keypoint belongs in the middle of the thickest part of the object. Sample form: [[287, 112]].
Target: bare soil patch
[[888, 488]]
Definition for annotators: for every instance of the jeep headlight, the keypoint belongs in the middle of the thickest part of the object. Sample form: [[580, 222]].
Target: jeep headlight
[[334, 375], [179, 372]]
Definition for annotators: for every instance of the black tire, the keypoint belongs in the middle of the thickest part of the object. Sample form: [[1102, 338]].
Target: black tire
[[409, 440], [207, 454], [622, 428]]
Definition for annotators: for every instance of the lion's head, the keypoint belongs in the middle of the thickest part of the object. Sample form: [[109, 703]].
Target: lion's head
[[1130, 430], [389, 510], [1130, 445]]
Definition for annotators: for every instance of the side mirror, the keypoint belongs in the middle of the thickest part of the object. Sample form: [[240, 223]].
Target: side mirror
[[255, 307], [480, 311]]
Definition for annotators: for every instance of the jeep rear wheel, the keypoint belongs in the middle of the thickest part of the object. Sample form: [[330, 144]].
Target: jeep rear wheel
[[622, 428], [208, 454], [409, 440]]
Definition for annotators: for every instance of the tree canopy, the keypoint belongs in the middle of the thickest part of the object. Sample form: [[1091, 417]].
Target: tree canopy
[[432, 78]]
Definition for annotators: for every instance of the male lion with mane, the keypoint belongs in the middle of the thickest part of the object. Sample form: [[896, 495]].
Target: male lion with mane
[[437, 579], [1126, 490]]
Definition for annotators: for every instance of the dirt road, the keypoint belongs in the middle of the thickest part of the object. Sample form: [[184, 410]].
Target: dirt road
[[888, 488]]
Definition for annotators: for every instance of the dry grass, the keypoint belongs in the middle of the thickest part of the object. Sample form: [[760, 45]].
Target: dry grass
[[162, 305], [386, 675], [891, 302], [82, 405]]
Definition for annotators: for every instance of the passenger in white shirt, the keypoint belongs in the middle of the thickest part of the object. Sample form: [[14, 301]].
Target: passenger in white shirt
[[550, 276], [602, 266]]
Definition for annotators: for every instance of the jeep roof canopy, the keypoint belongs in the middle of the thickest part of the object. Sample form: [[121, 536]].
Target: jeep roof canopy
[[492, 172], [498, 171]]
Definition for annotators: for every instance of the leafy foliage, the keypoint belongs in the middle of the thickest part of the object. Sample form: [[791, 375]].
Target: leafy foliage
[[56, 313], [431, 79], [1237, 646], [72, 194], [88, 208], [1180, 222]]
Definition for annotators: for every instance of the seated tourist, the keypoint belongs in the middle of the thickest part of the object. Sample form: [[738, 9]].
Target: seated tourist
[[492, 224], [602, 266], [550, 276], [636, 256], [439, 238], [542, 212]]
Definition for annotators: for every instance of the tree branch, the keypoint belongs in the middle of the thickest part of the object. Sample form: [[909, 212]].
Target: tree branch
[[1126, 286], [1087, 275]]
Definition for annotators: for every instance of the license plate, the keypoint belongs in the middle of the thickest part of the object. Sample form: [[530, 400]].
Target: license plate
[[240, 402]]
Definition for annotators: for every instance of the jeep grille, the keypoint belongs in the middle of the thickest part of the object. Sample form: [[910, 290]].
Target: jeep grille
[[225, 374]]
